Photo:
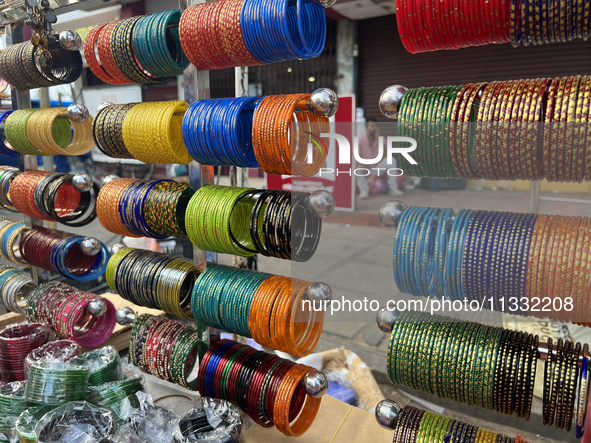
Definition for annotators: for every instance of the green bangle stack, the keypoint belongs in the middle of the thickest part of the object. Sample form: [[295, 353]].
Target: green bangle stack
[[15, 129], [112, 396], [12, 404], [104, 365], [56, 383], [425, 115], [218, 219]]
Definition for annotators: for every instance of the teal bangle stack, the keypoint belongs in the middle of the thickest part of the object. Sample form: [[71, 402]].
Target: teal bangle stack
[[153, 41]]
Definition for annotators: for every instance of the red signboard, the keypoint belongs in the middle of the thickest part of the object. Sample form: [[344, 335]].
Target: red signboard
[[339, 183]]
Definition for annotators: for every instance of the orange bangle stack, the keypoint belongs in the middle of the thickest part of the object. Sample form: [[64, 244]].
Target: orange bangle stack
[[288, 326], [107, 206], [98, 41], [283, 402], [22, 192], [280, 147]]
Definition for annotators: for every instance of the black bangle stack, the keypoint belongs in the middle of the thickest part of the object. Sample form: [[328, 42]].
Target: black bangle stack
[[18, 67]]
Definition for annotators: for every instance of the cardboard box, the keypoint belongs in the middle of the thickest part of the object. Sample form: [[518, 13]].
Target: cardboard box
[[336, 422]]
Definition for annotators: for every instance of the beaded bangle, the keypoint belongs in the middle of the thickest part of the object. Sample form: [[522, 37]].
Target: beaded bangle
[[173, 359]]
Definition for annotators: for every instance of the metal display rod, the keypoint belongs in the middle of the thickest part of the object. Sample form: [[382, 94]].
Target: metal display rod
[[22, 100]]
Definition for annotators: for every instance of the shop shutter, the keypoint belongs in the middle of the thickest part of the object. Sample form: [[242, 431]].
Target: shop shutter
[[383, 61]]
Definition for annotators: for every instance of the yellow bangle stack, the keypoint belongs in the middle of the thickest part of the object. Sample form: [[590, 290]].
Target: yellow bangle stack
[[152, 132]]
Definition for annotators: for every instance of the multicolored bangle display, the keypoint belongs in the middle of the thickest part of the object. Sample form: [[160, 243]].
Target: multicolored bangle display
[[149, 132], [7, 175], [19, 69], [16, 341], [15, 287], [65, 309], [230, 33], [224, 132], [419, 426], [502, 260], [53, 197], [166, 349], [492, 130], [60, 252], [153, 280], [428, 25], [48, 131], [264, 386], [243, 221], [271, 309], [135, 208], [484, 366]]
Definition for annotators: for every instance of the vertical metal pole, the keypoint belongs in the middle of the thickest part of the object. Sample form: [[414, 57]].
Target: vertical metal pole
[[196, 87], [239, 176], [22, 100], [534, 197]]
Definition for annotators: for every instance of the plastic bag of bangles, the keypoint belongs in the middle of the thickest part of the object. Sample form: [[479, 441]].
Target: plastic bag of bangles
[[148, 422], [124, 398], [211, 421], [12, 404], [76, 422], [59, 351], [56, 383], [104, 365]]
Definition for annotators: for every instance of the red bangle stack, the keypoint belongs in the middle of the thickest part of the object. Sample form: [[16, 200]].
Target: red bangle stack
[[16, 342], [432, 25]]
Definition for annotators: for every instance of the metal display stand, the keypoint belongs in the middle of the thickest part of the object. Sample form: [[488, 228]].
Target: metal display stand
[[22, 100], [535, 198]]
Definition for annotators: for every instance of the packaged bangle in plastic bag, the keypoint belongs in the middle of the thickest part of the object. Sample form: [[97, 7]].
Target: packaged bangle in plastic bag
[[119, 397], [26, 422], [12, 404], [59, 351], [76, 421], [211, 421], [104, 365], [56, 383]]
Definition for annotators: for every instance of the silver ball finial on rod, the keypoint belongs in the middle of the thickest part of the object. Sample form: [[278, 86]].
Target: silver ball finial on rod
[[387, 414], [390, 101], [125, 316]]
